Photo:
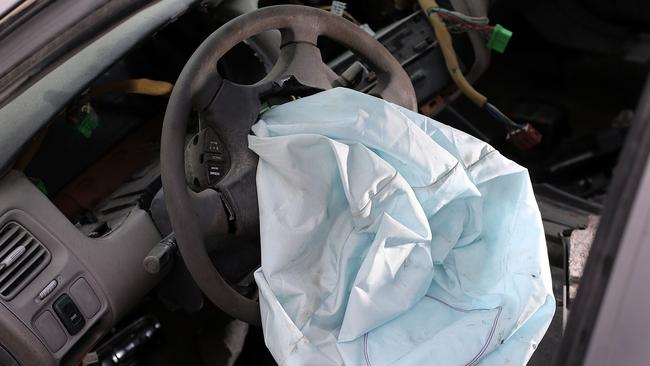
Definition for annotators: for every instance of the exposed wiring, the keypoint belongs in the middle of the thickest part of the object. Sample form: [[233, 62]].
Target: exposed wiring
[[346, 14], [453, 23], [133, 86], [460, 16], [501, 117], [459, 23], [437, 17], [447, 48]]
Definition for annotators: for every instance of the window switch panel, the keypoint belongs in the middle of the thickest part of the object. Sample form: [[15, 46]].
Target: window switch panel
[[69, 314]]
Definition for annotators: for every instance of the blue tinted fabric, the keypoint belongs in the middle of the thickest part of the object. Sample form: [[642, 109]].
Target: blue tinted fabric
[[391, 239]]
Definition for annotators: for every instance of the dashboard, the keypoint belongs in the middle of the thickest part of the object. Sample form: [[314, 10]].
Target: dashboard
[[65, 290], [85, 284]]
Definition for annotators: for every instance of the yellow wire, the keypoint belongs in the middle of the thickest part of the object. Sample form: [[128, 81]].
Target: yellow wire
[[134, 86], [447, 47]]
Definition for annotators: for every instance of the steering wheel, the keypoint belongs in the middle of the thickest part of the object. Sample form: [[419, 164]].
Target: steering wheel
[[226, 207]]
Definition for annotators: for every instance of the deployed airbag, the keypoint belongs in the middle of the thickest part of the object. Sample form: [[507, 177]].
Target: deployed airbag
[[391, 239]]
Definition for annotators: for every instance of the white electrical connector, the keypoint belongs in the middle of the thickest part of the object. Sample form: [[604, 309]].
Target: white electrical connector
[[91, 359], [338, 7], [366, 28]]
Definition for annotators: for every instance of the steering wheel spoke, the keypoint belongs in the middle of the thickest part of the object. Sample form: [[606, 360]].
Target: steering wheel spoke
[[304, 63], [234, 106], [228, 119], [211, 214]]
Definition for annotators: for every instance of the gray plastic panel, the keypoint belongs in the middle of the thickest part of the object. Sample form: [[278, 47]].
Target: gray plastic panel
[[620, 334], [21, 342], [51, 331], [6, 359], [111, 266], [84, 296]]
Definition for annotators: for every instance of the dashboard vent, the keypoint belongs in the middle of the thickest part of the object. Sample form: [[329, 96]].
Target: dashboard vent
[[22, 257]]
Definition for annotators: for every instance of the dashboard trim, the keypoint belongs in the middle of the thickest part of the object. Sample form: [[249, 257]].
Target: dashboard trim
[[112, 265], [26, 114]]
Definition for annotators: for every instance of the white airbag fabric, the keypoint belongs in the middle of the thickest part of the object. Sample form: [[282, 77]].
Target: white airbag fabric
[[391, 239]]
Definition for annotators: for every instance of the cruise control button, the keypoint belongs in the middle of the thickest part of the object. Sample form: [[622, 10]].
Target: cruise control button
[[212, 143], [217, 158], [214, 172], [213, 146]]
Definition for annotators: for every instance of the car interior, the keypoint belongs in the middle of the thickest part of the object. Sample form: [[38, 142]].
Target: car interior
[[129, 224]]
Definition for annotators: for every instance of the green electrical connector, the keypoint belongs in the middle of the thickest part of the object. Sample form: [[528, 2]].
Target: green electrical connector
[[499, 39], [89, 121], [264, 108]]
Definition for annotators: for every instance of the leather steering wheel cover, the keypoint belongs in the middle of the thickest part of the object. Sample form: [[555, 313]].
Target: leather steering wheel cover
[[199, 82]]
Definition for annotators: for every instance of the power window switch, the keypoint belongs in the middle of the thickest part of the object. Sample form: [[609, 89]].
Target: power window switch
[[69, 314]]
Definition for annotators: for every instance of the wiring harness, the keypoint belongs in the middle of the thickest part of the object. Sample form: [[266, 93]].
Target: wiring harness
[[444, 21], [459, 23]]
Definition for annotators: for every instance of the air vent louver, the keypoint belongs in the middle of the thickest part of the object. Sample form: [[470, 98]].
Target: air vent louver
[[22, 257]]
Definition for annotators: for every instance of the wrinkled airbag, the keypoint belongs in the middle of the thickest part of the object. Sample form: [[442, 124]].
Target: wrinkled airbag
[[391, 239]]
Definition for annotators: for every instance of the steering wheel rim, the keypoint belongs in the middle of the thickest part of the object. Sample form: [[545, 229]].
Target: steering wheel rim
[[200, 87]]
